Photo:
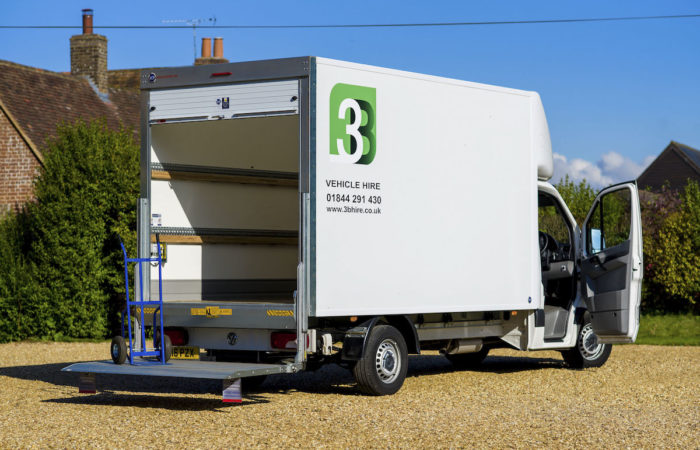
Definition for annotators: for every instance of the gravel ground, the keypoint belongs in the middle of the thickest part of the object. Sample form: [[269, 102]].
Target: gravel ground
[[645, 396]]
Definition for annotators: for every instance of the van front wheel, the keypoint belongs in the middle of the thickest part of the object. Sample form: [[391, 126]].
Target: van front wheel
[[382, 369], [588, 352]]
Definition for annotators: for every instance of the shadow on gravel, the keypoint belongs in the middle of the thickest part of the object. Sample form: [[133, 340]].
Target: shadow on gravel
[[172, 403], [332, 379], [329, 379], [435, 364]]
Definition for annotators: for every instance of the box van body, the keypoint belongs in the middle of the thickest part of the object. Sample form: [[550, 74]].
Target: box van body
[[367, 214]]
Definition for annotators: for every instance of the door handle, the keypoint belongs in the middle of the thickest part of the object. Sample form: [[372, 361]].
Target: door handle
[[599, 261]]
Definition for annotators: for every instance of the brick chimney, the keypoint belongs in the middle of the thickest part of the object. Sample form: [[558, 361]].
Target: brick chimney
[[88, 54], [206, 58]]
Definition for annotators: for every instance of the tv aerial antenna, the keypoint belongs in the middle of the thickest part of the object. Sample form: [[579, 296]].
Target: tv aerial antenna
[[194, 23]]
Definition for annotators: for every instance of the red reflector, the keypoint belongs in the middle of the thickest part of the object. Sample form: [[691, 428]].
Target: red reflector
[[221, 74], [177, 337], [283, 340]]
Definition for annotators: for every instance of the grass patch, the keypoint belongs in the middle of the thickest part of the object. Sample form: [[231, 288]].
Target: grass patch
[[669, 329]]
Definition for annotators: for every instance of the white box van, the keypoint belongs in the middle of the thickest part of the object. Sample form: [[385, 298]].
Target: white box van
[[369, 214]]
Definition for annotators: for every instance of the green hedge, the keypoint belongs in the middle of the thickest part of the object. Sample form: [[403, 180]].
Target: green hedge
[[65, 274]]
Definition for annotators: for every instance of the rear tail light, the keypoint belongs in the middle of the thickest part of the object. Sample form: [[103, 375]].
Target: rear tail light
[[177, 337], [283, 340]]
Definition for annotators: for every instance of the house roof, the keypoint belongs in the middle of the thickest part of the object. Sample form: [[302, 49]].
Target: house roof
[[689, 152], [38, 100], [672, 168]]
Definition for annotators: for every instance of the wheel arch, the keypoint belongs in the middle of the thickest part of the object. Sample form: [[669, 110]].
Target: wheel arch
[[355, 339]]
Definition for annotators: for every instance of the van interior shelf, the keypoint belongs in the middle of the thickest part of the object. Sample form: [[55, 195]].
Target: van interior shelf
[[163, 171], [181, 235]]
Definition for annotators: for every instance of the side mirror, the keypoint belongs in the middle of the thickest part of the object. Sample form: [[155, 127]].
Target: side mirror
[[597, 241]]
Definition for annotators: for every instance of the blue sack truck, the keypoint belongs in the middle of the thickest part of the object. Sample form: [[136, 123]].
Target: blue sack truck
[[162, 347]]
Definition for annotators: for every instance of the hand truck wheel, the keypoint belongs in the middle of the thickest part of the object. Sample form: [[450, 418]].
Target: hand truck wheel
[[118, 350], [168, 347]]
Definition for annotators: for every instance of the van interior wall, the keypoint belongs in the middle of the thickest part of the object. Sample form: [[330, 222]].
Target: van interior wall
[[225, 198]]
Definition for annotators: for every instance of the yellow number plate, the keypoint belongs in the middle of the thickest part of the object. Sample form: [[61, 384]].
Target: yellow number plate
[[185, 353]]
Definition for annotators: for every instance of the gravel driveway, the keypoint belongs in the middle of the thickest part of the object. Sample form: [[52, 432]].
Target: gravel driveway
[[645, 396]]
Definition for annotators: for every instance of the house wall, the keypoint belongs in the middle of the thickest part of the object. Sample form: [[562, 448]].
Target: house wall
[[18, 167]]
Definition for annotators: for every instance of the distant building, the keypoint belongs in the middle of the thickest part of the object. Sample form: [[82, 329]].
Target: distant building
[[673, 167], [33, 102]]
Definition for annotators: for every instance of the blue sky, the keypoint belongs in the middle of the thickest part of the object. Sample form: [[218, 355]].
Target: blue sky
[[615, 93]]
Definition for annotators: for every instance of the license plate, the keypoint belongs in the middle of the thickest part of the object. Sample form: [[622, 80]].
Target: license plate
[[184, 352]]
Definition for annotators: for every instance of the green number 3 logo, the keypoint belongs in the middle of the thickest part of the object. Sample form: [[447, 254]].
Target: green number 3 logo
[[352, 124]]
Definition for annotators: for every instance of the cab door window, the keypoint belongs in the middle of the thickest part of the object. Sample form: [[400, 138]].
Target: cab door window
[[552, 223], [609, 224]]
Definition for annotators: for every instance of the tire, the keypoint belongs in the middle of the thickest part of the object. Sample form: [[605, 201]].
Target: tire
[[168, 348], [468, 360], [168, 345], [118, 350], [382, 369], [588, 352]]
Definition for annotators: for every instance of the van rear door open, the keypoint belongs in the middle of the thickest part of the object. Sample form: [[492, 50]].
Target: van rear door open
[[611, 263]]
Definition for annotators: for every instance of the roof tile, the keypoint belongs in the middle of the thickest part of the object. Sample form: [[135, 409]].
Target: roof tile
[[692, 154], [40, 100]]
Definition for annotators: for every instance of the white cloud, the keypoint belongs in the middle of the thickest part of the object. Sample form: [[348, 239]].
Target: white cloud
[[612, 168]]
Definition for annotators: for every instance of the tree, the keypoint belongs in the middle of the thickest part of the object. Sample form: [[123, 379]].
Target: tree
[[671, 223], [85, 196], [15, 278], [578, 197]]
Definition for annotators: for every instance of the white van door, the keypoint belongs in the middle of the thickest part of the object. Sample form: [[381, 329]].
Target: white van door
[[611, 263]]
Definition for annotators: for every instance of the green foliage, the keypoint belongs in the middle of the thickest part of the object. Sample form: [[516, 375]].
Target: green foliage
[[672, 249], [552, 223], [68, 245], [15, 278], [611, 216], [669, 329], [578, 197]]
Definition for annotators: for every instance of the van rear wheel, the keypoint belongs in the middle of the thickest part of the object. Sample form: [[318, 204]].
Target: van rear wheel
[[382, 369], [588, 352]]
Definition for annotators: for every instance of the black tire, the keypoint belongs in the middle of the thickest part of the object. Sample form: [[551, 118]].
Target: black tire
[[382, 369], [468, 360], [588, 352], [118, 350], [168, 348]]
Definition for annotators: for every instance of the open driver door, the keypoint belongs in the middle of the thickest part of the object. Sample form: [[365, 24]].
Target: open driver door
[[611, 263]]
